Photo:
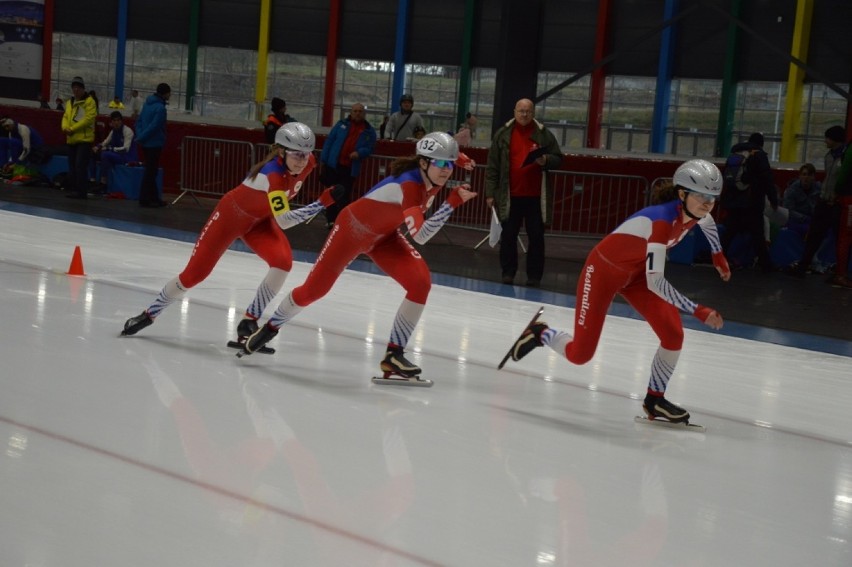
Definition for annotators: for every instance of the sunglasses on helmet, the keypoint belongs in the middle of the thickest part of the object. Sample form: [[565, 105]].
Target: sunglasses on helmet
[[443, 163]]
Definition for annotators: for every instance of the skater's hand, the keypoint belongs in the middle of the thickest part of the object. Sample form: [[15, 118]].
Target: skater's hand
[[709, 317], [465, 162], [332, 195], [722, 266], [460, 195]]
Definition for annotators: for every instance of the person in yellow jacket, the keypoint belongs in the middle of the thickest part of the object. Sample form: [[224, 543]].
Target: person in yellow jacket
[[78, 123]]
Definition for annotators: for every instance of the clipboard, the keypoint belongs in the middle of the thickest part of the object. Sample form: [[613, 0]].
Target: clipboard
[[534, 155]]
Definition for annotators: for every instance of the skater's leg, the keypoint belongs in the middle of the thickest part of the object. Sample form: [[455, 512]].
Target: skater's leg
[[662, 369], [407, 317], [401, 261], [171, 292], [666, 323], [266, 292], [597, 285], [336, 254], [269, 243]]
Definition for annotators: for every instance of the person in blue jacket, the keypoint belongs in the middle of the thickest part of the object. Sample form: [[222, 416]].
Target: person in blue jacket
[[348, 144], [151, 136]]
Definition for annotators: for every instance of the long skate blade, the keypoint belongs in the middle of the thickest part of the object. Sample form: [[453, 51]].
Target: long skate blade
[[509, 352], [400, 381], [261, 350], [670, 424]]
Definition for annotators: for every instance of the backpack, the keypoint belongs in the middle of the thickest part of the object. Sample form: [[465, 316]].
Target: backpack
[[735, 193]]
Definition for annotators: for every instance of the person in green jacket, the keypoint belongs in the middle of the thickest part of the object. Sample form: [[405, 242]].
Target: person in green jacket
[[78, 124], [517, 186]]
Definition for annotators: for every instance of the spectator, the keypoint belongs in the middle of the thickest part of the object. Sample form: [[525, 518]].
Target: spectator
[[520, 189], [151, 135], [827, 210], [371, 226], [18, 142], [801, 197], [630, 262], [78, 124], [419, 132], [349, 142], [42, 102], [744, 215], [117, 149], [60, 104], [463, 136], [135, 103], [402, 123], [471, 121], [116, 104], [255, 211], [278, 118], [843, 191]]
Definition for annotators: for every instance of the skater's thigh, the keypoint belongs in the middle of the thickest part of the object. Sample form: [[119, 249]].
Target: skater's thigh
[[340, 248], [598, 283], [269, 243], [401, 261], [220, 231]]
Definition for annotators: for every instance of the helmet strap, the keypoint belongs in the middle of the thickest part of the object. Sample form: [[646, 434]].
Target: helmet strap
[[684, 207], [425, 172]]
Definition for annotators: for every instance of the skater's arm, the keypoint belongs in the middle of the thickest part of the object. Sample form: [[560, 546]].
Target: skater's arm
[[654, 266], [708, 227], [433, 224], [287, 217]]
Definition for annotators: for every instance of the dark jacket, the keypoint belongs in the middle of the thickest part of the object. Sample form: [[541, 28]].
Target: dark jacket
[[497, 169], [272, 123], [758, 175], [151, 124]]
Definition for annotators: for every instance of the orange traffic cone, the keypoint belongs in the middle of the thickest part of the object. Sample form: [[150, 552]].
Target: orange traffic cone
[[76, 267]]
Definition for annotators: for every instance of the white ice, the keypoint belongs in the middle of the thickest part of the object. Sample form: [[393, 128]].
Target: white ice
[[165, 449]]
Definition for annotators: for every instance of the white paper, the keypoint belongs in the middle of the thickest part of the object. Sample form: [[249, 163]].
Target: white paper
[[496, 229]]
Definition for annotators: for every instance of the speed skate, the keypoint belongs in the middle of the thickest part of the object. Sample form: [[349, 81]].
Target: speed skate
[[509, 354], [644, 420], [262, 350], [390, 379]]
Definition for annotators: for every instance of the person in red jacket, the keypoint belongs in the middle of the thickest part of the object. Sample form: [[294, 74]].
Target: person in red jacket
[[371, 226], [630, 262], [256, 211]]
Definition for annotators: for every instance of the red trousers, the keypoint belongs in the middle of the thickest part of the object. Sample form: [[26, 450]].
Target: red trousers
[[600, 280]]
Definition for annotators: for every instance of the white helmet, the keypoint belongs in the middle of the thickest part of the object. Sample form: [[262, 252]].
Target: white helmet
[[296, 136], [699, 175], [438, 145]]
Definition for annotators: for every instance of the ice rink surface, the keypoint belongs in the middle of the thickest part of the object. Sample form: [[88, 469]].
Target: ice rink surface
[[166, 449]]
